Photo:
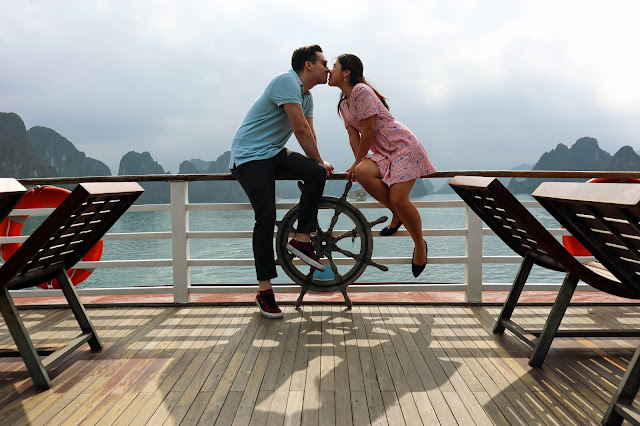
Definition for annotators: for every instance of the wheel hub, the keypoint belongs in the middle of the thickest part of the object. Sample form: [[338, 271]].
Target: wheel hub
[[323, 243]]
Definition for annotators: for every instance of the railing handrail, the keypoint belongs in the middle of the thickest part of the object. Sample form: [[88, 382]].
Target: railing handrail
[[583, 174], [181, 262]]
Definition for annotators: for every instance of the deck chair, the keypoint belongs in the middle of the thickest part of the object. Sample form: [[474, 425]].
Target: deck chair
[[64, 237], [605, 218], [522, 232], [10, 193]]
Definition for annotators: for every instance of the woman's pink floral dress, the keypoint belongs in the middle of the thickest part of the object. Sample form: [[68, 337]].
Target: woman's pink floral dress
[[397, 152]]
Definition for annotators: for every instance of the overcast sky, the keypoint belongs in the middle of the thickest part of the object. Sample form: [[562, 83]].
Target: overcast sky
[[483, 84]]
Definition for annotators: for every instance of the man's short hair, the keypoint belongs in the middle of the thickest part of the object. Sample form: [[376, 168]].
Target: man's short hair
[[302, 55]]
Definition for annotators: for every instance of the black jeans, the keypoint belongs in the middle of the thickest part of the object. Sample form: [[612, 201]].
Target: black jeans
[[258, 179]]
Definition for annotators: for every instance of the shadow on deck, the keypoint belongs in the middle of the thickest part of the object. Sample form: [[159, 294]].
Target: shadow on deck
[[322, 364]]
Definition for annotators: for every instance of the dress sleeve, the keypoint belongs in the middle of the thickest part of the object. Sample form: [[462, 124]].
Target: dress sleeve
[[344, 113], [364, 101]]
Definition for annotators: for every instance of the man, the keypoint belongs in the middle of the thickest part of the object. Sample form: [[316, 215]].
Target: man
[[258, 158]]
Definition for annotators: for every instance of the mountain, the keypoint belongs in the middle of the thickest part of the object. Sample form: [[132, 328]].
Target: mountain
[[212, 191], [200, 164], [584, 154], [188, 167], [422, 188], [59, 153], [134, 163], [625, 160], [18, 157], [42, 152]]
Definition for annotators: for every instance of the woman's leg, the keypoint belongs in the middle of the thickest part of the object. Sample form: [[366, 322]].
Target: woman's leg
[[368, 175], [410, 217]]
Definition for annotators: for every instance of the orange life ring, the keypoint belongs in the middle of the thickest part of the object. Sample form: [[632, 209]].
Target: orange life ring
[[570, 242], [36, 198]]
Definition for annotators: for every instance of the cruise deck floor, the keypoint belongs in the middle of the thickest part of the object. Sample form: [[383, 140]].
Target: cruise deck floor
[[320, 365]]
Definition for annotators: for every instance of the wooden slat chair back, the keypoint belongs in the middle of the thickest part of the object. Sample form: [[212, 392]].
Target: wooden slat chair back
[[605, 218], [508, 218], [10, 193], [524, 234], [71, 230], [64, 237]]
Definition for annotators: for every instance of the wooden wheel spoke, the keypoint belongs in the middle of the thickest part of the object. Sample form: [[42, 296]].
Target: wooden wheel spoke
[[334, 268], [334, 219], [353, 233], [347, 253]]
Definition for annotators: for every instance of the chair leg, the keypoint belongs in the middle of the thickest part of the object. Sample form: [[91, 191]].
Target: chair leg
[[553, 321], [21, 338], [514, 294], [626, 391], [78, 310]]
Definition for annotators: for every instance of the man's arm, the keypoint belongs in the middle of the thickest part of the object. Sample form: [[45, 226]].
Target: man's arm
[[303, 131], [310, 121]]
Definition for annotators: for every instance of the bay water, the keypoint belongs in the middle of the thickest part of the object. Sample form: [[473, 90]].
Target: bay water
[[237, 248]]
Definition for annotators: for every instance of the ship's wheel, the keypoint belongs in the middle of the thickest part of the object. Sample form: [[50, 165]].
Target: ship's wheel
[[343, 238]]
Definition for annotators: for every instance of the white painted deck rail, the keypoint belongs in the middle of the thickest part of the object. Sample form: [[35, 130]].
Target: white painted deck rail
[[180, 236]]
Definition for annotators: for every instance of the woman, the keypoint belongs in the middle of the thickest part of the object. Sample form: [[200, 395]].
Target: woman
[[396, 160]]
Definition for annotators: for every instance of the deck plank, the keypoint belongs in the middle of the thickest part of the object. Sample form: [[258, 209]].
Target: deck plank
[[278, 407], [18, 396], [321, 364], [252, 388], [80, 383]]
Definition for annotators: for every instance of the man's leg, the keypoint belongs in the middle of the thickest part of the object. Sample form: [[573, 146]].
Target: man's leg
[[314, 175], [257, 178]]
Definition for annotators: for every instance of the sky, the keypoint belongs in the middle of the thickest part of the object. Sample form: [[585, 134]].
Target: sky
[[484, 85]]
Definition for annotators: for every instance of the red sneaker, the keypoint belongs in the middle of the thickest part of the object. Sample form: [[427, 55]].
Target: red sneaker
[[305, 252], [266, 301]]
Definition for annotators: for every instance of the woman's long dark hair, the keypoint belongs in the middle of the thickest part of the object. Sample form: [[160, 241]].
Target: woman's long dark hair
[[354, 64]]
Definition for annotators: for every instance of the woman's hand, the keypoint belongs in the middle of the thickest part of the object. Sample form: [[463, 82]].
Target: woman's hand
[[351, 171]]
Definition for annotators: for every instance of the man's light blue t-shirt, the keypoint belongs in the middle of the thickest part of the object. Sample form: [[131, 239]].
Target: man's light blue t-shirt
[[266, 128]]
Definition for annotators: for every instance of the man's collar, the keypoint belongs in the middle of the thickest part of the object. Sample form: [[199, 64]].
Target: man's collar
[[292, 71]]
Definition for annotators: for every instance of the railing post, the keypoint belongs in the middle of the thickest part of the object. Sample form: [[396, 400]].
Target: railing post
[[473, 250], [179, 241]]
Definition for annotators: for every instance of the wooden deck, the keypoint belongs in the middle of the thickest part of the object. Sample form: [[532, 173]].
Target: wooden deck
[[320, 365]]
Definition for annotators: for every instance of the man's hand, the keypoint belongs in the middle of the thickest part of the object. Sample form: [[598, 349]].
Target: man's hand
[[329, 168]]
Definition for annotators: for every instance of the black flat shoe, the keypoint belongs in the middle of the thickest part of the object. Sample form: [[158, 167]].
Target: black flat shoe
[[390, 230], [417, 269]]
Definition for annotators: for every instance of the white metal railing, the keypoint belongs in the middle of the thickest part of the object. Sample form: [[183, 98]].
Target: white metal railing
[[181, 263]]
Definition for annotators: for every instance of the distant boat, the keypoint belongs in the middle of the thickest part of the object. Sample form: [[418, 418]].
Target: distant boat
[[358, 195]]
